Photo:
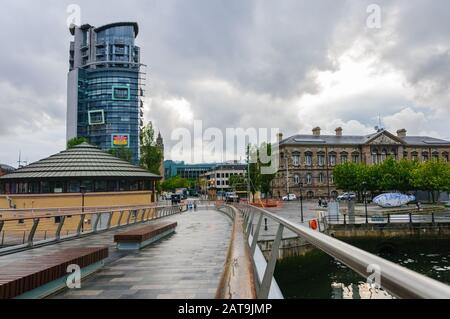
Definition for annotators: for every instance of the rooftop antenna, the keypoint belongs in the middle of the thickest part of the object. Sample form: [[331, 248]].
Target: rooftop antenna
[[379, 127], [20, 162]]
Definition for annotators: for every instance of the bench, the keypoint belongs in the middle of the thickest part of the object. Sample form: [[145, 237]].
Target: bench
[[41, 276], [138, 238]]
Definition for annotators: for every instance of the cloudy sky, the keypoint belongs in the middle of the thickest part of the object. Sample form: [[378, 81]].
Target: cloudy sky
[[285, 64]]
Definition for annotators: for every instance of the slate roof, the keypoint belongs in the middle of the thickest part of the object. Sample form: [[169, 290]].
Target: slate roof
[[359, 140], [83, 160]]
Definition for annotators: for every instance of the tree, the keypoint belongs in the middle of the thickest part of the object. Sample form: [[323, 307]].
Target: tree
[[151, 155], [76, 141], [265, 180], [432, 176], [346, 176], [174, 183], [253, 173], [122, 152], [238, 183]]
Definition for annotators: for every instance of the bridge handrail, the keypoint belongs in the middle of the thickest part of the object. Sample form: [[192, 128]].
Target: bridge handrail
[[397, 280], [29, 214], [141, 215]]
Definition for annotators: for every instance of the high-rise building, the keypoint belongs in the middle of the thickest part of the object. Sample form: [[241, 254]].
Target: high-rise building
[[105, 86]]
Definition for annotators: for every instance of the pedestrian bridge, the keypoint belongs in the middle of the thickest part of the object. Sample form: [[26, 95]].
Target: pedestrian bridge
[[213, 254]]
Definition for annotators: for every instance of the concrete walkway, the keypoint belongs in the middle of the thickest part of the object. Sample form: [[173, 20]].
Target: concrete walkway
[[186, 265]]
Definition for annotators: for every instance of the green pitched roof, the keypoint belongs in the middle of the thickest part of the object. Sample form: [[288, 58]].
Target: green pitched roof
[[84, 161]]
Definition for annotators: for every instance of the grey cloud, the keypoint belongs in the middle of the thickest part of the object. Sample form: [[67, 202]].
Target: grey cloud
[[267, 51]]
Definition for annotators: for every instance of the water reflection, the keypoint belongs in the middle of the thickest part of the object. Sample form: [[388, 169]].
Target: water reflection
[[316, 275]]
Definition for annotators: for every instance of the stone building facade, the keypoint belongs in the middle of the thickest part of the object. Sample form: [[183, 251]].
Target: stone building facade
[[307, 161]]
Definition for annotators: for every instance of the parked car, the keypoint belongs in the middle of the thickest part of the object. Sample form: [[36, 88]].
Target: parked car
[[289, 197], [346, 196]]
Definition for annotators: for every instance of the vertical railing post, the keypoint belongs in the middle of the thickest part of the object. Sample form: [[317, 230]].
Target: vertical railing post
[[250, 224], [410, 218], [143, 215], [2, 223], [270, 268], [432, 218], [97, 220], [129, 217], [345, 219], [256, 235], [33, 231], [120, 218], [58, 230], [389, 218], [81, 224], [108, 224]]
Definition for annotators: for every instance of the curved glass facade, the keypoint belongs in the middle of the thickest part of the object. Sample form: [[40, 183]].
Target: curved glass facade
[[109, 88]]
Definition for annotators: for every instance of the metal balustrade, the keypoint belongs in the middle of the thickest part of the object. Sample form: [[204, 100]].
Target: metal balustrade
[[101, 220], [432, 219], [395, 279]]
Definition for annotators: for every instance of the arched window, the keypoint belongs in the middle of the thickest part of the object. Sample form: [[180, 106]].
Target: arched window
[[309, 179], [425, 156], [296, 159], [321, 159], [374, 157], [296, 179], [445, 156], [332, 159], [344, 157], [308, 158], [415, 156], [355, 157], [383, 155], [321, 178]]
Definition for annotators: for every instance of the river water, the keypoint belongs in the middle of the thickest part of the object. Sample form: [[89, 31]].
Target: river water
[[316, 275]]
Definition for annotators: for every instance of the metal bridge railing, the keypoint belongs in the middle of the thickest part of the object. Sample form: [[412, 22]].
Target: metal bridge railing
[[395, 279], [262, 282], [100, 220], [433, 219]]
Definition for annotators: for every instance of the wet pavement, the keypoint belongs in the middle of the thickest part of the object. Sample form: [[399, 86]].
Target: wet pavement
[[186, 265]]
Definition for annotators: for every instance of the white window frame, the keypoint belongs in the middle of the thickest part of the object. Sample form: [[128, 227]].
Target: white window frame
[[308, 159], [296, 160], [96, 111]]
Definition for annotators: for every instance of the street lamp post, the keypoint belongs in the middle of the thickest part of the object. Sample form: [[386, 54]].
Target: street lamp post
[[365, 201], [301, 201]]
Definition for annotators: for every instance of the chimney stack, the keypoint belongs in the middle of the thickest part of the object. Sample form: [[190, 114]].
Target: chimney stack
[[316, 131], [401, 133], [339, 131], [280, 137]]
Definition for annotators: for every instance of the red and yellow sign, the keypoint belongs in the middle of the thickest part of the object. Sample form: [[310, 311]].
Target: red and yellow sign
[[120, 140]]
